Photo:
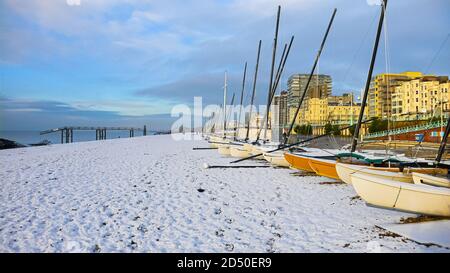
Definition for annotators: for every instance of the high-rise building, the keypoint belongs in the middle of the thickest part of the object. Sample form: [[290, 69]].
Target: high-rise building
[[319, 87], [280, 101], [279, 117]]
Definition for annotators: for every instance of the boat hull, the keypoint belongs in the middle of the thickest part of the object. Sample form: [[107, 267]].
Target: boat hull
[[298, 162], [224, 149], [277, 159], [324, 167], [420, 178], [344, 171], [421, 199], [239, 151], [256, 150]]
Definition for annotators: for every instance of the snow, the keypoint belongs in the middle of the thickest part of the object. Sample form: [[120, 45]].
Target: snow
[[153, 194], [432, 232]]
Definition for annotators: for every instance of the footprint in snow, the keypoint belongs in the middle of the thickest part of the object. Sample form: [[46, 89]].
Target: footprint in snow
[[220, 233], [229, 247]]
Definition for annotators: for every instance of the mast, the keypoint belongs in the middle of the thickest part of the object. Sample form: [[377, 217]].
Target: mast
[[254, 89], [225, 106], [230, 111], [242, 94], [443, 142], [274, 52], [280, 69], [310, 75], [369, 77]]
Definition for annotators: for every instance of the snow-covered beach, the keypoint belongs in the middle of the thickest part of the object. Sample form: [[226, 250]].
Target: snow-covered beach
[[152, 194]]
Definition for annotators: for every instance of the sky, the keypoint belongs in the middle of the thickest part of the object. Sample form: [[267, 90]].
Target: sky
[[128, 62]]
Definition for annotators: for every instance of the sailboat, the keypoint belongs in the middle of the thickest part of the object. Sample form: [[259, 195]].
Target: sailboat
[[416, 198], [422, 193], [244, 150], [296, 160]]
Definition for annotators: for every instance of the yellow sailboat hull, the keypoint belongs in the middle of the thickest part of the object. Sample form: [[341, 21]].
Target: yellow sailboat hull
[[298, 162], [324, 167], [422, 199]]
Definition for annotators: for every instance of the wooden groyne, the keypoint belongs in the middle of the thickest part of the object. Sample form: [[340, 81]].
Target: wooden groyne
[[100, 132]]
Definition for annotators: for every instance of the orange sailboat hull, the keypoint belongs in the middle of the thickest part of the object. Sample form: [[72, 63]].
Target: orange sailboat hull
[[324, 167], [298, 162]]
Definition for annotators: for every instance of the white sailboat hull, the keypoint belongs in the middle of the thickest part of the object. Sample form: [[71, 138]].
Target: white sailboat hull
[[239, 151], [224, 149], [420, 178], [421, 199], [276, 159], [344, 172]]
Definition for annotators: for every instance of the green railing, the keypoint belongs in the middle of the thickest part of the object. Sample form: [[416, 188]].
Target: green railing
[[406, 129]]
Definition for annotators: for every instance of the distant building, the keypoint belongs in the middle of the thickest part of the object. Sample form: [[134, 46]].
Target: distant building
[[336, 110], [280, 116], [421, 98], [319, 87], [281, 102], [381, 89]]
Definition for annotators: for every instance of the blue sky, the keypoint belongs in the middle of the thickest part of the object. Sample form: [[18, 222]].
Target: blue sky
[[127, 62]]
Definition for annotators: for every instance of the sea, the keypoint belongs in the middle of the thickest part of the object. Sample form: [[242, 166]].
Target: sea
[[32, 137]]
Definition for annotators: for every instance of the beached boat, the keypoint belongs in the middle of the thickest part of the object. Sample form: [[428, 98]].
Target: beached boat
[[276, 159], [421, 178], [298, 162], [256, 149], [345, 170], [415, 198], [239, 151], [324, 167], [224, 149]]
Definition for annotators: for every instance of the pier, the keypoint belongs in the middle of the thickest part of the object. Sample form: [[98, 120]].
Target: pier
[[100, 132]]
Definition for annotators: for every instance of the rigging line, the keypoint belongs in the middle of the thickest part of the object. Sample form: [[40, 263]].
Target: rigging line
[[360, 47], [437, 54]]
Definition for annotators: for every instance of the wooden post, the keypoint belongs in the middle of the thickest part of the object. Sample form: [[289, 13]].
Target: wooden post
[[145, 130], [105, 133], [62, 136], [71, 135]]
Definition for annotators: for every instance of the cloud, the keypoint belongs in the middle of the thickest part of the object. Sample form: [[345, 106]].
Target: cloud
[[73, 2], [22, 114]]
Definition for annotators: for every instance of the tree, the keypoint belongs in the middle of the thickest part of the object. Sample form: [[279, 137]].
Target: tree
[[378, 125], [351, 130], [336, 130], [328, 128]]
